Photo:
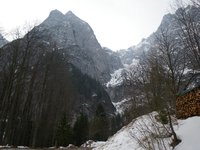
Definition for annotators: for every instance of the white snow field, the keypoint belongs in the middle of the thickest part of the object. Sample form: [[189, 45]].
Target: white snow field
[[144, 129]]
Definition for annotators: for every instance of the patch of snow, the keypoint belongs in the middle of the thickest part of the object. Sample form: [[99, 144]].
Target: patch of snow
[[46, 42], [92, 144], [16, 70], [85, 105], [116, 78], [98, 144], [186, 71], [53, 147], [191, 86], [134, 62], [6, 146], [94, 94], [120, 106], [72, 146], [22, 147]]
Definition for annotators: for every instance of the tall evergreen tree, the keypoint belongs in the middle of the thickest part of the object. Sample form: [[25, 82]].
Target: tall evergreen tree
[[100, 125], [81, 129], [64, 135], [116, 123]]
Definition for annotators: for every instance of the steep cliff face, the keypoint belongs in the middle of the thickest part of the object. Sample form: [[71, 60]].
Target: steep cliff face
[[134, 53], [74, 42], [130, 58], [113, 60], [77, 38], [56, 69]]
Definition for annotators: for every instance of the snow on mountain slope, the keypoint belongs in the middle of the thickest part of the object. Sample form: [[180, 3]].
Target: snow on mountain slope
[[129, 136], [129, 57], [121, 106], [116, 78]]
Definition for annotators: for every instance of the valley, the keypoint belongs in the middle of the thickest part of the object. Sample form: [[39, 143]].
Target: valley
[[60, 88]]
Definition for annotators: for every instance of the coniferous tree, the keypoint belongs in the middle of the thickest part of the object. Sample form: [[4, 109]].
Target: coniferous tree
[[116, 123], [64, 135], [100, 125], [81, 129]]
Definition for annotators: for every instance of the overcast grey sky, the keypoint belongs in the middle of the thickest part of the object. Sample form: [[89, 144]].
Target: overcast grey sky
[[117, 24]]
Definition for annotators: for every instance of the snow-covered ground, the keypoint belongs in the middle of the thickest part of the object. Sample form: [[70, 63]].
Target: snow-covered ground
[[129, 137], [188, 131]]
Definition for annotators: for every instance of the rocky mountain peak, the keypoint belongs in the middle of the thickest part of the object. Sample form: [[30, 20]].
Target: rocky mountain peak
[[55, 17], [77, 38], [56, 12], [73, 19], [58, 18], [70, 13]]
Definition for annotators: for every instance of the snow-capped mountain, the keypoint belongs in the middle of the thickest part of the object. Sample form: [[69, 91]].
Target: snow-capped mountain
[[79, 42]]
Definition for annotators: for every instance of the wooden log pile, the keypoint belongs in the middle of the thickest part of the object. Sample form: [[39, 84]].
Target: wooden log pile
[[188, 104]]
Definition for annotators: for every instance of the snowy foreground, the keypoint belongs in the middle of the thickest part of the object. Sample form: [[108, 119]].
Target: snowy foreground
[[145, 128]]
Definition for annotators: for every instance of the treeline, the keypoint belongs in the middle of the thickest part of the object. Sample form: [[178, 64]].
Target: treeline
[[99, 128], [41, 94]]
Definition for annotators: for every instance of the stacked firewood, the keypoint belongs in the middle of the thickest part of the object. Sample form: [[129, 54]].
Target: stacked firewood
[[188, 104]]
